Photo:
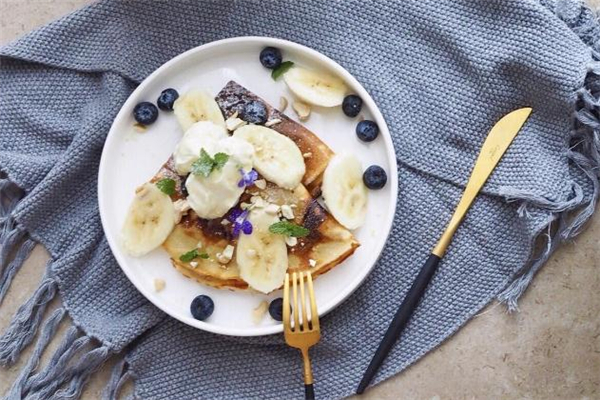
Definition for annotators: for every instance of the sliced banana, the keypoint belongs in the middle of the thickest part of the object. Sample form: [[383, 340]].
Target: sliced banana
[[201, 135], [262, 256], [276, 157], [196, 106], [150, 219], [319, 88], [344, 192], [211, 197]]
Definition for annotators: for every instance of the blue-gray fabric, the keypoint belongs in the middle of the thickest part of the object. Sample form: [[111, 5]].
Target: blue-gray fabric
[[442, 73]]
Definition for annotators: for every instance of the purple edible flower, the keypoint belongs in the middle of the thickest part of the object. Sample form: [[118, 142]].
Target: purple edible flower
[[248, 178], [240, 222]]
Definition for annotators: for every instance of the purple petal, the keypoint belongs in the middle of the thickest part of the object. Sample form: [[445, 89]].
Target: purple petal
[[248, 178], [252, 175], [236, 230], [247, 227], [234, 214]]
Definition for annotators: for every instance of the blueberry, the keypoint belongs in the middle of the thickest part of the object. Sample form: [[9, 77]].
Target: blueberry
[[352, 105], [375, 177], [145, 113], [166, 99], [202, 307], [276, 309], [255, 112], [367, 131], [270, 57]]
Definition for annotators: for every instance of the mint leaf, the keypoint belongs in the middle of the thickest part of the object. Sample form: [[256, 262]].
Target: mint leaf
[[206, 164], [289, 229], [204, 256], [220, 160], [282, 69], [167, 186], [203, 165], [189, 256]]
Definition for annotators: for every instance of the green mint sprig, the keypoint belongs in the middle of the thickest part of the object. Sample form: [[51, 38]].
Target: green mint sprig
[[207, 164]]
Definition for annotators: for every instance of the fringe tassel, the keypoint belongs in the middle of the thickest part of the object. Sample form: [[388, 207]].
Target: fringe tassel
[[13, 238], [71, 344], [119, 375], [66, 379], [26, 322], [11, 270], [17, 390], [10, 233], [573, 214], [74, 361]]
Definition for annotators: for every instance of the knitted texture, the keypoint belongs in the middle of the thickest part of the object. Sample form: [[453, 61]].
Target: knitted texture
[[442, 73]]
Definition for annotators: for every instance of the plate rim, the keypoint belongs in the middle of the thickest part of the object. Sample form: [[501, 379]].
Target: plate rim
[[356, 87]]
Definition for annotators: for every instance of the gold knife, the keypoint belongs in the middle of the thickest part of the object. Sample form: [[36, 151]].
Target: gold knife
[[494, 147]]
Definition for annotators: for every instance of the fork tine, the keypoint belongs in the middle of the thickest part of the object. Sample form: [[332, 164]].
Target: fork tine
[[314, 316], [305, 325], [286, 303], [296, 310]]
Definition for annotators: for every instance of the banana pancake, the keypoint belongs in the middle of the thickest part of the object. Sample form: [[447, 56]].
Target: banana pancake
[[210, 249]]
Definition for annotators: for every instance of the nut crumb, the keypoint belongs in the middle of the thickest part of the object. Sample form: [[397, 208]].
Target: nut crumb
[[258, 202], [287, 211], [140, 128], [199, 245], [291, 241], [302, 110], [273, 122], [159, 284], [259, 312], [226, 255], [261, 184], [181, 208], [225, 222], [307, 155], [233, 123], [312, 263], [283, 103], [272, 209], [193, 264]]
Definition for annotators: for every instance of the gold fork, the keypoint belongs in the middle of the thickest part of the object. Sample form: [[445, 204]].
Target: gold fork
[[305, 333]]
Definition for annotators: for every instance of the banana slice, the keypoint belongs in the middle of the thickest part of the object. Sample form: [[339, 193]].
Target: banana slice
[[150, 219], [276, 157], [344, 192], [316, 87], [196, 106], [201, 135], [262, 256]]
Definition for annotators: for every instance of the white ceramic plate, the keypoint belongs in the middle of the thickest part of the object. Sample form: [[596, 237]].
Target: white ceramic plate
[[131, 158]]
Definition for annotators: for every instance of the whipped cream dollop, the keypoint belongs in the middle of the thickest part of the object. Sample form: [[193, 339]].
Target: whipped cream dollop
[[201, 135], [212, 196]]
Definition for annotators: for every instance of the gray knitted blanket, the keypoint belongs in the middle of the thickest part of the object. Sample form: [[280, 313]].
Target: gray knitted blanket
[[442, 73]]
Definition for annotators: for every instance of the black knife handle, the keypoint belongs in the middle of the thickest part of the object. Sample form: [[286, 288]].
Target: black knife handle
[[309, 391], [408, 306]]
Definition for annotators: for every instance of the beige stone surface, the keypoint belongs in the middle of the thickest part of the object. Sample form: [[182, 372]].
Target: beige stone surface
[[550, 350]]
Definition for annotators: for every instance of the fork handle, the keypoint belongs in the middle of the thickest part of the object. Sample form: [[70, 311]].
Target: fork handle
[[309, 391], [408, 306]]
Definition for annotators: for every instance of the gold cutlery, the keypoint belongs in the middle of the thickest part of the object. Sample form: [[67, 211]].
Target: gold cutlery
[[496, 143], [301, 331]]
